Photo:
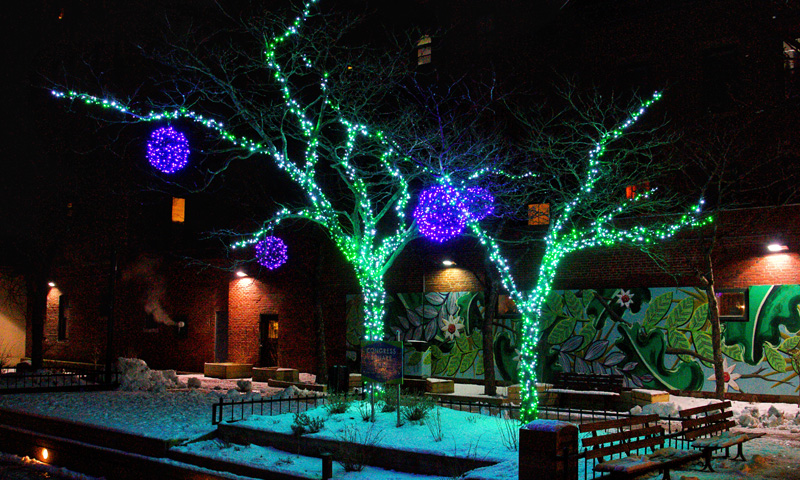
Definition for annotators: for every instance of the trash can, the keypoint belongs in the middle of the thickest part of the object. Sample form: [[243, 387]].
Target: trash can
[[548, 449], [338, 379]]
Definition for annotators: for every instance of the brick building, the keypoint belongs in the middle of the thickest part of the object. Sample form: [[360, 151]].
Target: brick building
[[179, 313]]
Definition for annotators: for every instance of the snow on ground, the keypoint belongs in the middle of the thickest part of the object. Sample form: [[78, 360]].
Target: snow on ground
[[179, 411]]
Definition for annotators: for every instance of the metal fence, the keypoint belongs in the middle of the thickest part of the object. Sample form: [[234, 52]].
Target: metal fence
[[233, 410], [24, 380]]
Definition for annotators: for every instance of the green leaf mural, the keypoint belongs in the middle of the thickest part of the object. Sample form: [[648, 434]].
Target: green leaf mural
[[648, 350], [704, 345], [774, 357], [770, 307], [789, 345], [699, 318], [657, 309], [467, 360], [479, 364], [680, 315], [735, 352], [453, 363], [562, 331], [574, 305], [551, 310]]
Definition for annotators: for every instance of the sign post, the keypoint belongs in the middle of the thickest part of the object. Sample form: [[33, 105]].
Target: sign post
[[382, 362]]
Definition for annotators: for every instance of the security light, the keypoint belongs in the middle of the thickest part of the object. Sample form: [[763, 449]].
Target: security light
[[240, 274], [448, 263], [777, 247]]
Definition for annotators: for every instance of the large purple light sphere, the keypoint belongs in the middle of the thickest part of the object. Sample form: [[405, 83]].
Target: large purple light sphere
[[271, 252], [167, 150], [479, 203], [440, 214]]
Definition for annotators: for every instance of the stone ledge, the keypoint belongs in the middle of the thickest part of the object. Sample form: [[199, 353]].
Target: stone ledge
[[228, 370]]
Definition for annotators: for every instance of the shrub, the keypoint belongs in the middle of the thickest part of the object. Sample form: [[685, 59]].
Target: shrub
[[338, 403], [355, 449], [305, 424], [416, 407]]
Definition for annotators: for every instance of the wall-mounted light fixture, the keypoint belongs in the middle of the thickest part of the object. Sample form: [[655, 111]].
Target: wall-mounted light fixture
[[241, 274], [448, 263], [51, 284], [45, 454], [777, 247]]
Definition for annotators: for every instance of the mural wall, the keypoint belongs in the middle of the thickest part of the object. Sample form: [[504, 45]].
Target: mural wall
[[657, 338]]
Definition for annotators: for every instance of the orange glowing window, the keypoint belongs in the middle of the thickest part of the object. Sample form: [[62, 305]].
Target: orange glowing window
[[631, 191], [178, 209], [539, 214], [424, 50], [273, 329]]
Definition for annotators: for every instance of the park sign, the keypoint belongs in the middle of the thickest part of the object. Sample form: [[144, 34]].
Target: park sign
[[382, 362]]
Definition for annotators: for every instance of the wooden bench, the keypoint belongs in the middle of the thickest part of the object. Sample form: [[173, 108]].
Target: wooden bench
[[708, 428], [630, 436], [590, 388]]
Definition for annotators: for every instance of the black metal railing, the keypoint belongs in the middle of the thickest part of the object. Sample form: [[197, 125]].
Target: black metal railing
[[233, 410], [23, 380]]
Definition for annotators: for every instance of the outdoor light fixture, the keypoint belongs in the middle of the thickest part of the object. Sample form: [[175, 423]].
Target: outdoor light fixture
[[240, 274], [448, 263], [777, 247], [51, 284], [45, 454]]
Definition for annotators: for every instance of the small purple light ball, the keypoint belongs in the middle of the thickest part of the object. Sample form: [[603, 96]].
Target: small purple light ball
[[440, 214], [168, 150], [271, 252]]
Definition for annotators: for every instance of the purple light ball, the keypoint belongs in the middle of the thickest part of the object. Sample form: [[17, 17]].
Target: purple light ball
[[271, 252], [440, 214], [167, 150]]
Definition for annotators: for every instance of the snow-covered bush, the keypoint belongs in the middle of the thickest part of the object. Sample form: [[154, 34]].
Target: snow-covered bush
[[194, 382], [135, 375], [244, 385]]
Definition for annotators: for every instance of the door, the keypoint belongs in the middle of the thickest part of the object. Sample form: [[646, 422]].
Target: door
[[221, 337], [269, 347]]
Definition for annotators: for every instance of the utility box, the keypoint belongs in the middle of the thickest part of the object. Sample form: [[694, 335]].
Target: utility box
[[548, 449]]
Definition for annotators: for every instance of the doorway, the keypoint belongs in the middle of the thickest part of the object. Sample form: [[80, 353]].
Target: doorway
[[269, 346], [221, 337]]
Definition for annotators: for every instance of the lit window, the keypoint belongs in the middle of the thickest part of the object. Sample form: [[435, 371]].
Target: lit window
[[539, 214], [631, 191], [178, 209], [424, 50]]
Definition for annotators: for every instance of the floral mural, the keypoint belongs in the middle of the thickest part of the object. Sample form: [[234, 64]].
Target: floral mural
[[657, 338]]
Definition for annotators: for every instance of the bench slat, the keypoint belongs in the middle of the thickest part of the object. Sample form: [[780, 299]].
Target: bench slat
[[705, 408], [706, 419], [709, 429], [617, 436], [600, 452], [619, 423]]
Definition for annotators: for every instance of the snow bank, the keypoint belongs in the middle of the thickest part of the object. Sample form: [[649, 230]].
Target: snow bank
[[756, 416], [136, 376]]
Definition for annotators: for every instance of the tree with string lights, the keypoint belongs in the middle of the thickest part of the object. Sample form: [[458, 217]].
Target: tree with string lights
[[582, 171], [290, 102]]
